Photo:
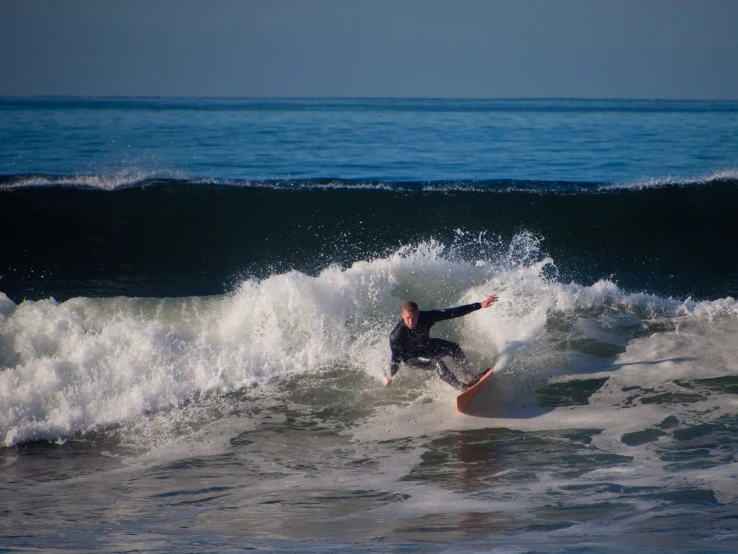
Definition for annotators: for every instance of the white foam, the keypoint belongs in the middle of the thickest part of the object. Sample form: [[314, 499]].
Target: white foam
[[114, 180], [674, 180], [86, 363]]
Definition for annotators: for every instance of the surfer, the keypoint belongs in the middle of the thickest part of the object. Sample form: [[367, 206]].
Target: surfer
[[411, 344]]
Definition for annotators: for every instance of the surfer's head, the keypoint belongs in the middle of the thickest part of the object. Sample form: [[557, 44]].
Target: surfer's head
[[410, 314]]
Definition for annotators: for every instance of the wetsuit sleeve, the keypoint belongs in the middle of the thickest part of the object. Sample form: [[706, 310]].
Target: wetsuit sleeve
[[394, 368], [451, 313], [395, 349]]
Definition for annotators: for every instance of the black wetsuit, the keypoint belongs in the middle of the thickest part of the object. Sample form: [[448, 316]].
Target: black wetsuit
[[415, 347]]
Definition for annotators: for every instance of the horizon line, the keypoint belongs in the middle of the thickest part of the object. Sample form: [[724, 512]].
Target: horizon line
[[424, 98]]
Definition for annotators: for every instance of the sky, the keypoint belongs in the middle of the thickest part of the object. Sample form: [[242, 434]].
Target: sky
[[669, 49]]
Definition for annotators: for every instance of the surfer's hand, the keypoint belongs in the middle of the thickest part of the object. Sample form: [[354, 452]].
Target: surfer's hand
[[387, 381], [489, 301]]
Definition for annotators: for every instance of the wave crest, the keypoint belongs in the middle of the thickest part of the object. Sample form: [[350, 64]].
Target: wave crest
[[139, 178], [87, 363]]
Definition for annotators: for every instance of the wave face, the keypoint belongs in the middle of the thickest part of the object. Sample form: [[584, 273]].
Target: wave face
[[170, 237], [90, 363]]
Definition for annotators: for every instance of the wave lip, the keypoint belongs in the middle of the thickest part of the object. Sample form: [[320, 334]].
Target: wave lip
[[104, 182], [135, 178], [88, 363], [724, 177]]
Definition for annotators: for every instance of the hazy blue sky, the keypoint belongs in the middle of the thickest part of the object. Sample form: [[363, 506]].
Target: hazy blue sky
[[420, 48]]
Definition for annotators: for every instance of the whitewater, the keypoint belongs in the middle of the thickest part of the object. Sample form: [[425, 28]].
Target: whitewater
[[87, 362]]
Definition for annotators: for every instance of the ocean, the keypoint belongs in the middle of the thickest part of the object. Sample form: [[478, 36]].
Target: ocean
[[196, 297]]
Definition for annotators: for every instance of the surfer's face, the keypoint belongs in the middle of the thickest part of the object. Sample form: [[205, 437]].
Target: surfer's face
[[410, 319]]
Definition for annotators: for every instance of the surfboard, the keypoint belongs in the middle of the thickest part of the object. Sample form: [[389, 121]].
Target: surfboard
[[462, 401]]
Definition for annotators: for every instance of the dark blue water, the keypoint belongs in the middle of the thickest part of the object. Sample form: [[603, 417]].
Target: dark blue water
[[119, 140], [195, 297]]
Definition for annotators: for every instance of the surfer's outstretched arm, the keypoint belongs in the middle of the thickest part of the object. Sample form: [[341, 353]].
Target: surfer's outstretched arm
[[452, 313], [396, 348], [394, 367]]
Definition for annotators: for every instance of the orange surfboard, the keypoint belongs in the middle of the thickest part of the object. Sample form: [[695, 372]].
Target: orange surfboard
[[462, 401]]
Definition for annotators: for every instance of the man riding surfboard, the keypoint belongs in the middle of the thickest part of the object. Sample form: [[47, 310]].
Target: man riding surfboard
[[410, 342]]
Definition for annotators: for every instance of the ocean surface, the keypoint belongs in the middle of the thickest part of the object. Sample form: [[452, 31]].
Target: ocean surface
[[196, 296]]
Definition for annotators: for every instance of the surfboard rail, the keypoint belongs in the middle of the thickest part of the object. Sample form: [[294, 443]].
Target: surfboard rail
[[463, 399]]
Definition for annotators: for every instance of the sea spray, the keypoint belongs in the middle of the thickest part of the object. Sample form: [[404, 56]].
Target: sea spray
[[88, 363]]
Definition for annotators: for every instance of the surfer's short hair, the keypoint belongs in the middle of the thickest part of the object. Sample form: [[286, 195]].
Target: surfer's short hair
[[410, 307]]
